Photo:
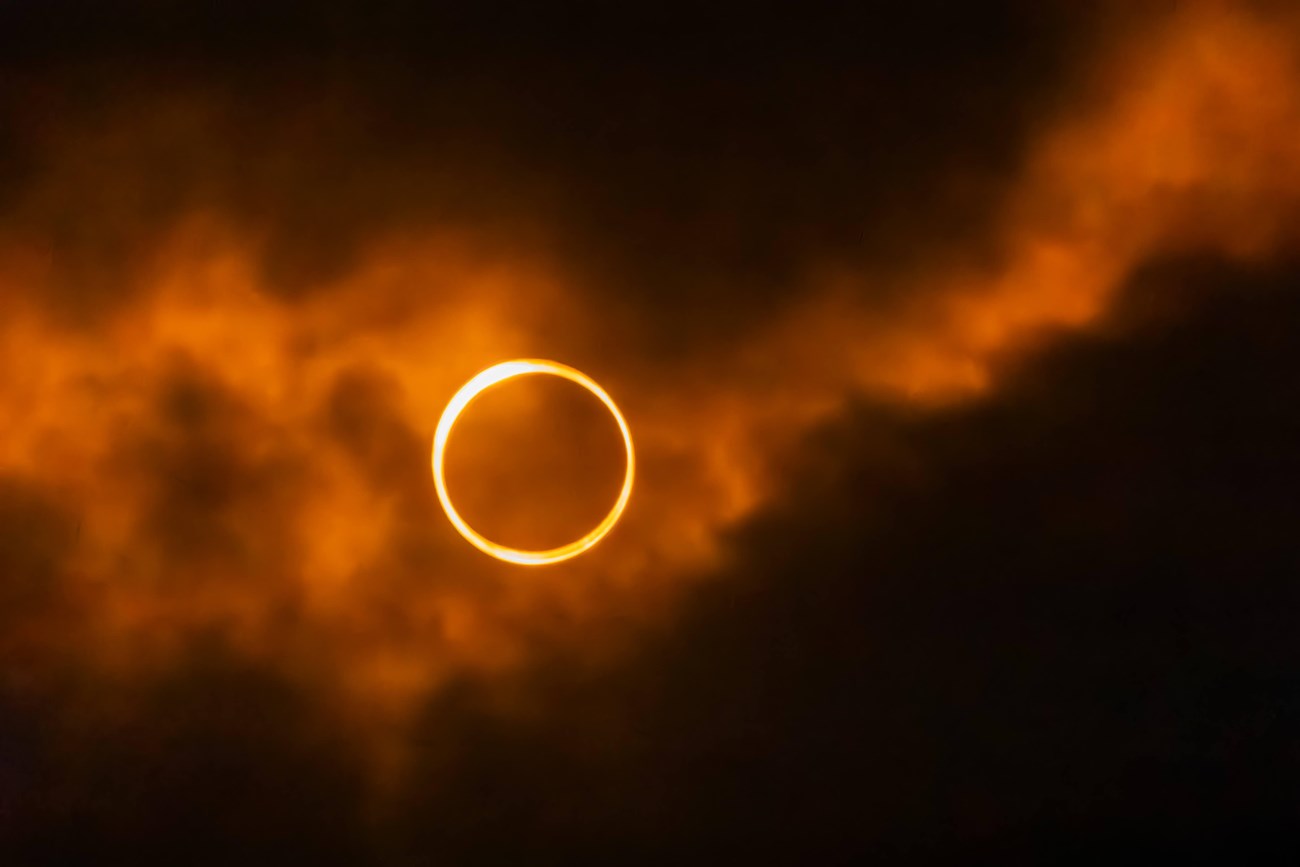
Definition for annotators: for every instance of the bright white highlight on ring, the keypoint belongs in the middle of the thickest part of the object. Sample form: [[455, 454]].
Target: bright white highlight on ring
[[495, 375]]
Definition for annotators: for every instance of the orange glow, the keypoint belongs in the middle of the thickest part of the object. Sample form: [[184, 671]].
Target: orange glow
[[235, 460], [481, 382]]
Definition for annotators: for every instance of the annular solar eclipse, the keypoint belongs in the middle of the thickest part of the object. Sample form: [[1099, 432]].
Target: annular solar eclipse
[[481, 382]]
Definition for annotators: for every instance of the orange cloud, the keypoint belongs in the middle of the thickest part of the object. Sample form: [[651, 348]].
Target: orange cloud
[[256, 467]]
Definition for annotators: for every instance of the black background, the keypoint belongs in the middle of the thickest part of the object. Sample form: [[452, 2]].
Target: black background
[[1051, 626]]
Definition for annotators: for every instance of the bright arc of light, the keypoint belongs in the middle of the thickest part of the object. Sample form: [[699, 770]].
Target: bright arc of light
[[481, 382]]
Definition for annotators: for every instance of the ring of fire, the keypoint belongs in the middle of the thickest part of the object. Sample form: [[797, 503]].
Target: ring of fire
[[482, 381]]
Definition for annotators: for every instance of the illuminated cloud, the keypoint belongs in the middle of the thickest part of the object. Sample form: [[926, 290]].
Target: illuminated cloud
[[214, 431]]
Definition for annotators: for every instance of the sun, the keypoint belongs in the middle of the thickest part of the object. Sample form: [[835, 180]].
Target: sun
[[481, 382]]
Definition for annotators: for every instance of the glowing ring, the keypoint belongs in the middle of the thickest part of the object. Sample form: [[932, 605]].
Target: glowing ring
[[495, 375]]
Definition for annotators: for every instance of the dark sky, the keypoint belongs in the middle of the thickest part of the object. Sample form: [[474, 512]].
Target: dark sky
[[959, 349]]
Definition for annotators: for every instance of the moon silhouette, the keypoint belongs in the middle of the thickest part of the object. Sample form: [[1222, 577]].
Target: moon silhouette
[[481, 382]]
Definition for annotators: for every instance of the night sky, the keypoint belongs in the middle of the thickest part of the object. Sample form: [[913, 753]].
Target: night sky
[[959, 347]]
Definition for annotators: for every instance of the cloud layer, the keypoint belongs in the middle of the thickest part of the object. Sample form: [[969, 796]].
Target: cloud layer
[[235, 302]]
